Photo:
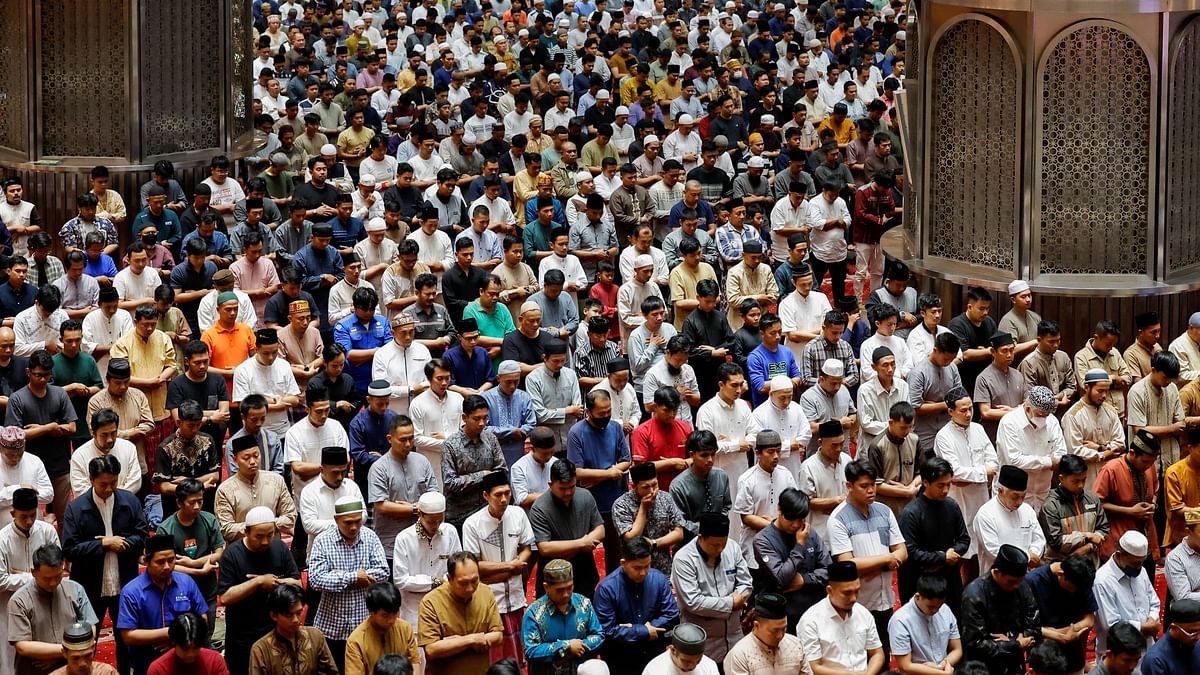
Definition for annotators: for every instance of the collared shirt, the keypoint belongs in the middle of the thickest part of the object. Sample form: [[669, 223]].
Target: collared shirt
[[506, 414], [332, 569], [123, 450], [145, 606], [971, 456], [996, 525], [368, 644], [546, 632], [625, 608], [1032, 448], [99, 329], [998, 388], [74, 232], [819, 406], [528, 477], [731, 424], [368, 437], [552, 396], [54, 270], [864, 536], [41, 617], [417, 560], [465, 463], [395, 480], [661, 520], [16, 557], [270, 448], [1120, 597], [191, 457], [351, 333], [442, 615], [820, 350], [235, 497], [1111, 363], [148, 358], [1137, 357], [402, 367], [1055, 371], [928, 383], [925, 638], [874, 405], [659, 375], [317, 501], [1188, 353], [835, 641], [500, 540], [433, 323], [303, 443], [1152, 406], [32, 331]]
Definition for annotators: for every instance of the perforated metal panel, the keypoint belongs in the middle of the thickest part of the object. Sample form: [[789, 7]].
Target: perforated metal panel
[[1095, 107], [84, 54], [241, 50], [179, 112], [912, 63], [1183, 153], [973, 179], [14, 69]]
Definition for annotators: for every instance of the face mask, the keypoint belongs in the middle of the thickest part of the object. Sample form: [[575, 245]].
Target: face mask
[[150, 239], [1132, 571], [601, 422], [1037, 422]]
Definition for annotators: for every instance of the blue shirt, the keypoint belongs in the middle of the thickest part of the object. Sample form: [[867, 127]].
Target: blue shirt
[[472, 371], [925, 638], [624, 609], [763, 364], [270, 446], [351, 334], [591, 448], [1168, 657], [168, 225], [218, 244], [546, 632], [13, 301], [145, 606], [102, 266], [506, 414], [346, 235], [368, 434], [312, 264], [1058, 607], [703, 211]]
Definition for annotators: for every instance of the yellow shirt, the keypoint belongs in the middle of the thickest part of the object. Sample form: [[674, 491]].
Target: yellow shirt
[[1181, 487], [147, 360], [352, 142], [844, 133], [629, 90], [367, 644], [442, 615]]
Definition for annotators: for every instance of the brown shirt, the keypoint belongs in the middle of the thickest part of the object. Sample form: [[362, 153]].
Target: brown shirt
[[442, 615], [1138, 359], [308, 655]]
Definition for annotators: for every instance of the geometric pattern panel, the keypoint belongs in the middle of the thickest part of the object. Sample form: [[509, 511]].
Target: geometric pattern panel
[[974, 209], [913, 74], [84, 52], [1096, 91], [181, 109], [14, 68], [240, 46], [1183, 150]]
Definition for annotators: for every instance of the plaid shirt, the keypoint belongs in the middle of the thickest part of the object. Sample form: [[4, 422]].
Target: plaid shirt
[[333, 568], [729, 244], [817, 351], [54, 270]]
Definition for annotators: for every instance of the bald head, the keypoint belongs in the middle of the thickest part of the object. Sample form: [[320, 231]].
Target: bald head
[[8, 343]]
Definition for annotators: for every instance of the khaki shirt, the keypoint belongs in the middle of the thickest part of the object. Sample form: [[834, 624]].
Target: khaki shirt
[[1138, 358], [308, 655], [442, 615], [366, 645], [147, 359], [235, 497]]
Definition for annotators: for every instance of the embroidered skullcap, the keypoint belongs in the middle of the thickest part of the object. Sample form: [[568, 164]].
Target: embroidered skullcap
[[643, 260], [767, 438], [403, 319], [78, 637], [376, 224], [557, 571], [529, 306], [12, 437], [1042, 399]]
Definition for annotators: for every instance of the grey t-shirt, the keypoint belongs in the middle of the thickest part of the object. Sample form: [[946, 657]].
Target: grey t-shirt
[[391, 480], [25, 408], [38, 617]]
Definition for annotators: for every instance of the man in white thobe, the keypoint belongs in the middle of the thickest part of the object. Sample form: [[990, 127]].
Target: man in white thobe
[[758, 490], [802, 313], [436, 413], [420, 553], [877, 395], [1125, 597], [1092, 429], [402, 363], [1031, 438], [783, 415], [1008, 519], [23, 535], [972, 457]]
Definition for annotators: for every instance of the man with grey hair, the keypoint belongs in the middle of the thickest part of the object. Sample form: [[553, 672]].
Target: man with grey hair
[[1031, 438], [1186, 348]]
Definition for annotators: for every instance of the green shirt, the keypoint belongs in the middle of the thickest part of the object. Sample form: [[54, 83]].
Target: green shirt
[[81, 369], [196, 541], [495, 325]]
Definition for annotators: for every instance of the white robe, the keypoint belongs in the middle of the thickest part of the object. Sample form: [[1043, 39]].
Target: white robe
[[793, 428], [417, 561], [16, 570], [758, 495], [730, 424], [971, 455], [29, 471], [995, 525], [1033, 449]]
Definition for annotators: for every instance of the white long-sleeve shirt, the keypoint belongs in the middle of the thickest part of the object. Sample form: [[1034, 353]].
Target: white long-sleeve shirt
[[303, 443], [797, 312], [500, 540], [758, 495], [571, 268], [316, 505], [971, 455], [123, 450], [899, 347], [784, 215], [630, 296], [362, 208], [402, 368], [827, 245], [1188, 353], [731, 424], [677, 145], [276, 381], [417, 560], [206, 314], [1120, 597], [1034, 449], [99, 329], [793, 427], [433, 415], [996, 525], [33, 331], [625, 263], [29, 471]]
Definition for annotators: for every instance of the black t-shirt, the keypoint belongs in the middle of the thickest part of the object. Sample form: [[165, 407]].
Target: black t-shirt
[[248, 620], [520, 348], [313, 198], [208, 394], [13, 376], [25, 408], [276, 309]]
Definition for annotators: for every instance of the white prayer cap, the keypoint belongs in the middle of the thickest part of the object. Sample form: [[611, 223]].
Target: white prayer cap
[[376, 224], [366, 179], [583, 176], [469, 139], [621, 110], [509, 367], [767, 119], [529, 306], [329, 149], [782, 383], [1018, 286], [686, 119], [1134, 543], [349, 505], [259, 515], [756, 163], [643, 260], [649, 140], [593, 667], [603, 95], [431, 503], [833, 368]]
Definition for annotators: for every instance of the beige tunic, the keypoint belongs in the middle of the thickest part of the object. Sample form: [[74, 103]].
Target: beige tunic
[[235, 497]]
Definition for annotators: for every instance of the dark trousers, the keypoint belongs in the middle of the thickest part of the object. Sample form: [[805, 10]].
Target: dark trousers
[[237, 658], [612, 544], [300, 543], [111, 605], [881, 625], [837, 275], [338, 649]]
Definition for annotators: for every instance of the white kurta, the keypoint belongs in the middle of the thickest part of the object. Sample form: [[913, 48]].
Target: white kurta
[[797, 312], [793, 428], [971, 455], [316, 505], [402, 368], [874, 407], [731, 424], [758, 495], [996, 525], [303, 443], [16, 570], [417, 561], [1031, 448], [123, 450], [276, 381], [99, 329], [29, 471], [1098, 424], [821, 480], [899, 347], [433, 415], [625, 406], [500, 540]]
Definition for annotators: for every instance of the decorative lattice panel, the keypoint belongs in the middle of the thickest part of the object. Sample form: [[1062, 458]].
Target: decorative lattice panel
[[1095, 104], [240, 48], [912, 61], [974, 208], [85, 66], [180, 113], [14, 66], [1183, 148]]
